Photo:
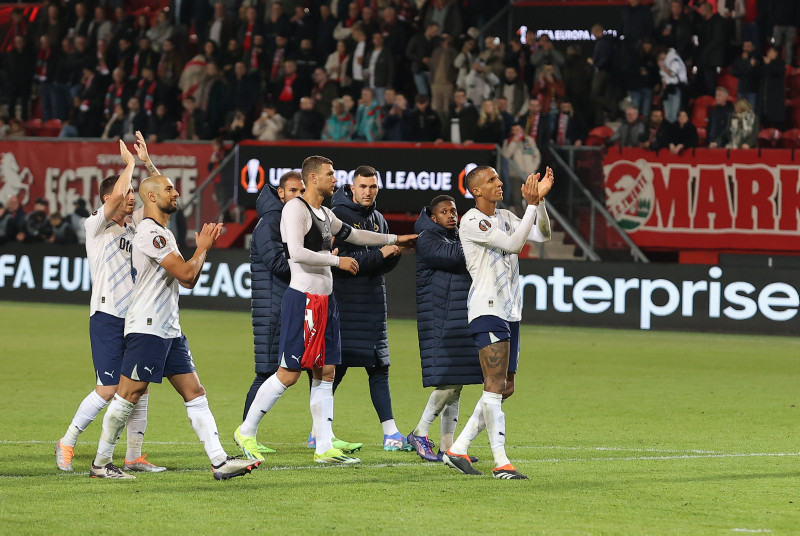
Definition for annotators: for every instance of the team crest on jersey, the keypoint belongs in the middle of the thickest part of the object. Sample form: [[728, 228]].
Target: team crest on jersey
[[94, 213], [506, 227], [484, 225], [159, 242], [376, 227]]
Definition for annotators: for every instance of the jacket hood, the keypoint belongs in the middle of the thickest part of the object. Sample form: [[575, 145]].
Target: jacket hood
[[343, 198], [268, 201], [425, 223]]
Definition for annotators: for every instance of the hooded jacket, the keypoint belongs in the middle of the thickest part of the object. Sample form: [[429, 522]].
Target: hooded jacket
[[448, 355], [362, 298], [269, 279]]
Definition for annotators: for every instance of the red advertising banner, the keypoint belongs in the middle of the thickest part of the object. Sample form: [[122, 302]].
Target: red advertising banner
[[717, 199], [63, 172]]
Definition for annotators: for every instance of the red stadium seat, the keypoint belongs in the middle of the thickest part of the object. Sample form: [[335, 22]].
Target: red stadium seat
[[32, 126], [51, 128], [599, 135], [700, 109], [793, 113], [790, 139], [702, 136], [769, 138], [729, 82]]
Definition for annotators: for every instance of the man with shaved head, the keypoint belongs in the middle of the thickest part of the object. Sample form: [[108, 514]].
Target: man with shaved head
[[155, 346]]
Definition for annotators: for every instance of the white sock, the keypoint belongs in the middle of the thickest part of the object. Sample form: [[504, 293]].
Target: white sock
[[113, 423], [495, 426], [88, 410], [136, 425], [269, 393], [389, 427], [449, 420], [471, 430], [321, 404], [206, 428], [433, 408], [314, 383]]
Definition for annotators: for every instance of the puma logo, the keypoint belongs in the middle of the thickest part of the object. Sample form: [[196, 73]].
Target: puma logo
[[107, 373], [150, 369]]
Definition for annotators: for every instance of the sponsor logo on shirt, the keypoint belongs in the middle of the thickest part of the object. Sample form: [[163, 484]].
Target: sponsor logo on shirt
[[159, 242], [484, 225]]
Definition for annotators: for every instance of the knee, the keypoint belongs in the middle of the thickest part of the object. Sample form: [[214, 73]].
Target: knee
[[106, 392], [195, 392], [286, 377], [328, 375]]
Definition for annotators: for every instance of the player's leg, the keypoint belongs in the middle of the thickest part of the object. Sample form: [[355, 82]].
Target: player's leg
[[107, 342], [381, 397], [449, 418], [258, 381], [419, 439]]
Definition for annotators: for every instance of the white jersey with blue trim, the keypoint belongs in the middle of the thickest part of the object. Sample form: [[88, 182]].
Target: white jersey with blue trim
[[108, 248], [154, 307], [495, 273]]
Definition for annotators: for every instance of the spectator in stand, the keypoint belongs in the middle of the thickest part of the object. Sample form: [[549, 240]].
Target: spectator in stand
[[61, 86], [720, 113], [63, 233], [210, 98], [549, 90], [418, 52], [481, 83], [515, 91], [47, 59], [536, 124], [144, 58], [99, 28], [277, 24], [53, 27], [672, 71], [492, 55], [631, 132], [118, 92], [160, 32], [305, 59], [577, 78], [113, 128], [12, 219], [380, 68], [369, 23], [747, 68], [340, 125], [368, 117], [516, 56], [523, 152], [783, 14], [395, 35], [20, 61], [336, 65], [742, 129], [356, 68], [712, 32], [15, 129], [17, 25], [349, 105], [270, 125], [79, 24], [323, 92], [77, 217], [396, 126], [637, 22], [193, 72], [676, 30], [221, 28], [603, 91], [122, 56], [734, 13], [87, 107], [656, 131], [76, 61], [301, 25], [425, 123], [682, 134], [236, 128], [546, 54], [490, 124], [570, 126], [148, 91], [461, 124], [134, 119], [249, 28], [446, 14], [501, 103], [169, 72], [442, 75], [193, 124], [288, 89], [773, 109], [4, 126], [307, 123], [160, 126], [344, 29], [642, 77], [36, 227], [463, 62], [324, 41]]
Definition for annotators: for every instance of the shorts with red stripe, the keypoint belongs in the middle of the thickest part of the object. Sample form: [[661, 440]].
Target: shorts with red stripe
[[309, 331]]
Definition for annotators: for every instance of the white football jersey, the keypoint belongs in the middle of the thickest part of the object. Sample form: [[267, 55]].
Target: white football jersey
[[154, 307], [495, 286], [108, 248]]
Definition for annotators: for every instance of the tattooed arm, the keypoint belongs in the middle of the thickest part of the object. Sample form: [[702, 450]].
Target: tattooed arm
[[141, 151]]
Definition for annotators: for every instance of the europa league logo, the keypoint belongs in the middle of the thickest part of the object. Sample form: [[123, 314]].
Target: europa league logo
[[253, 176]]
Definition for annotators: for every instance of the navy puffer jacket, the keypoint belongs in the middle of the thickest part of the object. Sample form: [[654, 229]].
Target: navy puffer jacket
[[362, 298], [448, 354], [270, 277]]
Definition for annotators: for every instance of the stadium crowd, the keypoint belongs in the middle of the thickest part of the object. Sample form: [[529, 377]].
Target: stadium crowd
[[693, 71]]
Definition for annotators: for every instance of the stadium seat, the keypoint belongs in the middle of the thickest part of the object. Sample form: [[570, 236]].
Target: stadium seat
[[769, 138], [599, 135], [51, 128], [32, 126], [702, 136], [793, 113], [789, 139], [700, 109], [729, 82]]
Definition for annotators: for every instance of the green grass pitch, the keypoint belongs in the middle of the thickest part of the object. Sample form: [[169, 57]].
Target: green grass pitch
[[622, 432]]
